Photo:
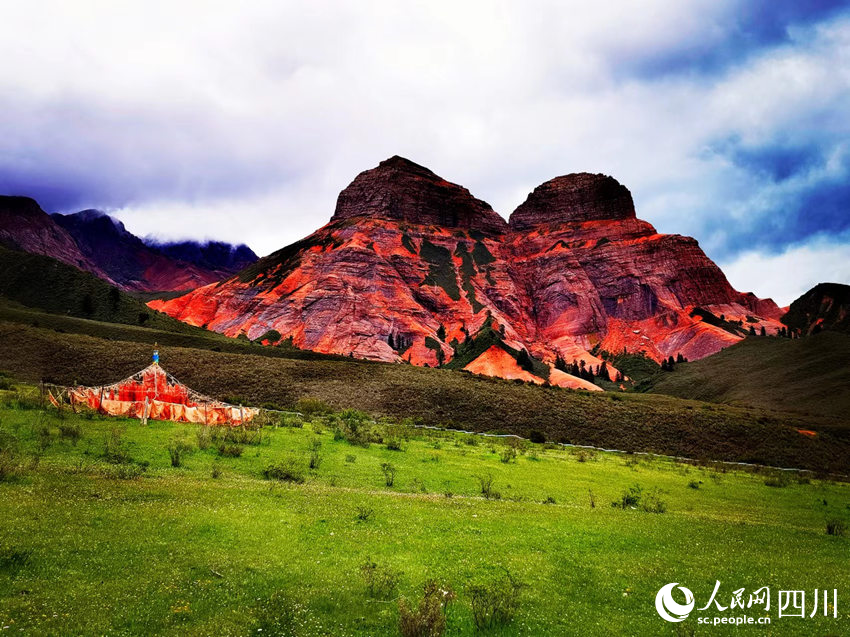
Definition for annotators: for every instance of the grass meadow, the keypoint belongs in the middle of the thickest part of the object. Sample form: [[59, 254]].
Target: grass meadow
[[332, 524]]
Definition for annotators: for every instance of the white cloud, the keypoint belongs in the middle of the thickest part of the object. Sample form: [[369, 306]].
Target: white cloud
[[787, 275], [244, 123]]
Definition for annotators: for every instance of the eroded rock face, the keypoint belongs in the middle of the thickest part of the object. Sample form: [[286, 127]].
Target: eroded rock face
[[401, 190], [574, 198], [411, 265]]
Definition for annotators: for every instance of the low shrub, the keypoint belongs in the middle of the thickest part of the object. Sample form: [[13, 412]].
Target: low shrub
[[389, 473], [287, 470], [428, 618], [584, 455], [216, 471], [537, 437], [381, 581], [71, 431], [694, 484], [204, 436], [315, 456], [290, 420], [363, 513], [312, 406], [115, 450], [239, 435], [507, 455], [227, 450], [278, 614], [495, 603], [351, 458], [636, 498], [486, 484], [177, 450], [836, 527], [630, 498], [10, 466], [778, 479]]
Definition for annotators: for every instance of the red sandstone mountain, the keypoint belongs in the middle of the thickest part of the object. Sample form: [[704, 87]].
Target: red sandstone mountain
[[96, 243], [410, 266]]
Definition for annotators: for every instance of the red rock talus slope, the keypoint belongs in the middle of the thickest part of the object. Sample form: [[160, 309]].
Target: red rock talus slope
[[410, 265]]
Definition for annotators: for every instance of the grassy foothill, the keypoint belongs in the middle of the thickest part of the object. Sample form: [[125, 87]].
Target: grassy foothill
[[332, 524]]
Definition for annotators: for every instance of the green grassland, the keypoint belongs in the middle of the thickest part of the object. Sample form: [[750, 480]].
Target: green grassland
[[255, 375], [102, 535]]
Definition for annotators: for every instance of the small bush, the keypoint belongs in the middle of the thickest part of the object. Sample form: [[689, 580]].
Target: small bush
[[636, 498], [71, 431], [428, 619], [389, 473], [177, 451], [537, 437], [507, 455], [315, 456], [351, 458], [290, 420], [836, 527], [9, 465], [779, 479], [205, 437], [381, 581], [495, 603], [312, 407], [364, 513], [288, 470], [279, 614], [115, 451], [694, 484], [393, 444], [653, 503], [549, 500], [216, 471], [486, 484], [240, 435], [629, 499], [584, 455], [227, 450]]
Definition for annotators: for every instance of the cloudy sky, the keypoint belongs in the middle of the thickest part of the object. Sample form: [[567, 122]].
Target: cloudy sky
[[728, 120]]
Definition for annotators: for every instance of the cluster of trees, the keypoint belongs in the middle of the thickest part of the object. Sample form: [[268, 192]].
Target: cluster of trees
[[580, 369], [783, 332], [669, 364], [399, 342]]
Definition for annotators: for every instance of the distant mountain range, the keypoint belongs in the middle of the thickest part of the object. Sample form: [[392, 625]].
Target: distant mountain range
[[97, 243]]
